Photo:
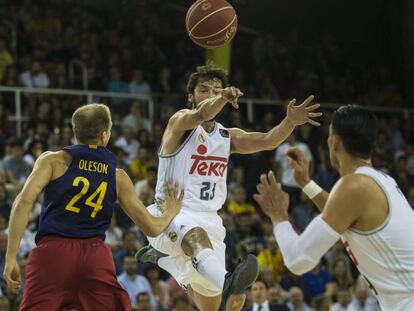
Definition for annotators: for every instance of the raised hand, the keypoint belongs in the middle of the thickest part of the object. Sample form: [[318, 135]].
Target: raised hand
[[271, 198], [232, 94], [302, 113], [300, 164]]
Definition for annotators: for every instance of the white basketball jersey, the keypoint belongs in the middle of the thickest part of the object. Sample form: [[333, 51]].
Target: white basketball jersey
[[385, 256], [200, 167]]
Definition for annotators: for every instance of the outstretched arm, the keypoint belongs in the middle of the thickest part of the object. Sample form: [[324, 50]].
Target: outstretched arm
[[303, 252], [188, 119], [150, 225], [23, 204], [245, 142]]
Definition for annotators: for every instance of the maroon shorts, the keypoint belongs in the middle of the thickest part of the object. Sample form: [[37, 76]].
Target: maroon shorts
[[72, 274]]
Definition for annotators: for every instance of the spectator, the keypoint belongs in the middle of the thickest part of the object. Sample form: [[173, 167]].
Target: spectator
[[159, 287], [344, 299], [139, 167], [303, 212], [35, 77], [135, 119], [319, 281], [341, 274], [128, 143], [5, 205], [113, 236], [285, 171], [148, 184], [143, 302], [34, 150], [133, 283], [139, 85], [11, 76], [296, 301], [248, 233], [271, 258], [362, 300], [116, 85], [6, 58], [259, 296], [322, 303], [337, 252], [129, 248], [277, 295], [238, 204], [181, 303], [16, 169]]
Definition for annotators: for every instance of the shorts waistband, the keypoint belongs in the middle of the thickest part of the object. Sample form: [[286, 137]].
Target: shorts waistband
[[52, 238]]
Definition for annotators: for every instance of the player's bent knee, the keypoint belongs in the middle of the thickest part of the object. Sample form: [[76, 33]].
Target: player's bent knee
[[194, 241]]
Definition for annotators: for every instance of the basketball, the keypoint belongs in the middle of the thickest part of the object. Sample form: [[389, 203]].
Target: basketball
[[211, 23]]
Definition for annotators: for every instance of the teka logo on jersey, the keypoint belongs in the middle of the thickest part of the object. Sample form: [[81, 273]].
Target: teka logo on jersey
[[207, 165]]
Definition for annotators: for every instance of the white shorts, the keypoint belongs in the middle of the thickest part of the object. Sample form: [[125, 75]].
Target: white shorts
[[178, 264]]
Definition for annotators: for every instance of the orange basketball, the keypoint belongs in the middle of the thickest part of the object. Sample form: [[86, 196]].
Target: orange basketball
[[211, 23]]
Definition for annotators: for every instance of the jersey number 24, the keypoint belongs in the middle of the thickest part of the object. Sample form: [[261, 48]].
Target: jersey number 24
[[94, 200]]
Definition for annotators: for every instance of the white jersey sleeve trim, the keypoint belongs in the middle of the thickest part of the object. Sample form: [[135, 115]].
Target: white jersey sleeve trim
[[301, 253], [361, 171], [179, 148]]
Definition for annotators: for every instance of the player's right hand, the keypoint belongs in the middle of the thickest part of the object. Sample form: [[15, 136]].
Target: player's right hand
[[232, 94], [173, 198], [11, 275], [300, 164]]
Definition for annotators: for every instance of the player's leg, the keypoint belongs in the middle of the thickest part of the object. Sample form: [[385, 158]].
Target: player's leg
[[205, 303], [48, 271], [210, 263], [197, 245], [98, 288]]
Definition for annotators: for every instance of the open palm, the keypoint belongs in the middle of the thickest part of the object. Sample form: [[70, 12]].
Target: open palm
[[302, 113]]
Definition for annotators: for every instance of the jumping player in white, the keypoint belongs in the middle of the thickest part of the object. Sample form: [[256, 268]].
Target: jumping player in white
[[366, 209], [194, 152]]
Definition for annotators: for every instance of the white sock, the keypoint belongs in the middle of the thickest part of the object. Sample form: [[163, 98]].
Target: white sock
[[209, 266]]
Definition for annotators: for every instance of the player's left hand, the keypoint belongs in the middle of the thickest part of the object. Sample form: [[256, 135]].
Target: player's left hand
[[173, 197], [272, 199], [302, 113], [11, 275]]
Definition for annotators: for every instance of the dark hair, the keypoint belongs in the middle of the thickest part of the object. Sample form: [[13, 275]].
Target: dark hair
[[357, 128], [33, 144], [142, 294], [205, 73], [16, 143], [260, 280]]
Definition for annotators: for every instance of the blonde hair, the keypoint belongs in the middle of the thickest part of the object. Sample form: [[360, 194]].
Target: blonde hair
[[89, 121]]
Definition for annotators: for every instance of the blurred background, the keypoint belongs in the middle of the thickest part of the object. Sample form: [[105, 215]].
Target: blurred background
[[136, 57]]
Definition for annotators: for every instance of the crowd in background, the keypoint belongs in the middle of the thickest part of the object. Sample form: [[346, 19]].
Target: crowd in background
[[148, 59], [143, 53], [135, 142]]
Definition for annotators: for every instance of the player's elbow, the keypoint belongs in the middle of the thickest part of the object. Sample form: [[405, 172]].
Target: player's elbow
[[301, 265]]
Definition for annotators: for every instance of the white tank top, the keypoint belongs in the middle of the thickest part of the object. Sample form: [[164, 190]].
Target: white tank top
[[385, 256], [200, 167]]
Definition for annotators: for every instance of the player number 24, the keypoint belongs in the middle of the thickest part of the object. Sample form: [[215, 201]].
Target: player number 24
[[94, 200]]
